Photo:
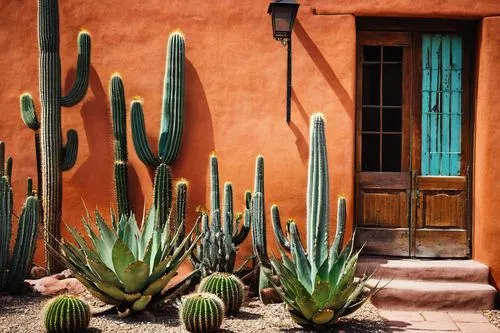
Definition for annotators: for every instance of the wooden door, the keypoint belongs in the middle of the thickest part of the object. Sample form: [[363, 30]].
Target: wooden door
[[440, 153], [383, 156], [413, 144]]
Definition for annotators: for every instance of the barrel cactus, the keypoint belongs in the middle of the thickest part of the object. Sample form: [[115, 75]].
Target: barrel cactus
[[119, 121], [319, 287], [217, 250], [202, 312], [228, 287], [66, 314], [15, 268], [54, 157]]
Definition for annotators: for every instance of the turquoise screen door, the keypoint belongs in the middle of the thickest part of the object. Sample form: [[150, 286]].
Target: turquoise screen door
[[441, 185], [441, 104]]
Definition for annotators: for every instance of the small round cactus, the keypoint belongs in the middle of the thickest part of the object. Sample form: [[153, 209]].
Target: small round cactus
[[228, 287], [202, 312], [66, 314]]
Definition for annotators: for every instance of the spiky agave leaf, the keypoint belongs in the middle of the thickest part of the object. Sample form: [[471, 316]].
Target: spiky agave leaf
[[127, 266]]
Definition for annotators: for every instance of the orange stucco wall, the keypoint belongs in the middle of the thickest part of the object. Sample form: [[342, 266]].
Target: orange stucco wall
[[487, 172], [235, 103]]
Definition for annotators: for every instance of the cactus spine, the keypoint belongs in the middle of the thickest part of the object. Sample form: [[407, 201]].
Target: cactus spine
[[118, 111], [226, 286], [12, 277], [66, 314], [55, 157], [217, 251], [202, 313]]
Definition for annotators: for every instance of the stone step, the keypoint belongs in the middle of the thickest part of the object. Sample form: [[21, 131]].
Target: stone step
[[426, 270], [433, 295]]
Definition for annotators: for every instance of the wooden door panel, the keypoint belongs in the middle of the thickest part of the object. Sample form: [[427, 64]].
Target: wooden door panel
[[383, 212], [384, 209], [436, 243], [442, 209], [389, 242]]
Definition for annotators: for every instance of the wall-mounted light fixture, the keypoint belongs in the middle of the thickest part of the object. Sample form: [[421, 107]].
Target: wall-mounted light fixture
[[283, 13]]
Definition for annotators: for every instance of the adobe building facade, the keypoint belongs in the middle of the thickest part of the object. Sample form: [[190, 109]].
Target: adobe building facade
[[409, 90]]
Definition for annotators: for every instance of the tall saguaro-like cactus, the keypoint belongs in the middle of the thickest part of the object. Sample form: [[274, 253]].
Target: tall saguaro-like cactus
[[55, 157], [172, 116], [119, 120]]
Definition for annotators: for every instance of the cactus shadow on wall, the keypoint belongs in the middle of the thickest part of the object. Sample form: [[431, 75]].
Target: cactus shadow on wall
[[197, 142], [324, 67], [93, 178], [300, 140]]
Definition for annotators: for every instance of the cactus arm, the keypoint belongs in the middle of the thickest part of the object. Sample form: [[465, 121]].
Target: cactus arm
[[28, 113], [180, 216], [172, 120], [278, 231], [70, 151], [119, 121], [22, 255], [240, 234], [228, 211], [339, 233], [258, 229], [140, 138], [214, 191], [79, 88], [6, 202]]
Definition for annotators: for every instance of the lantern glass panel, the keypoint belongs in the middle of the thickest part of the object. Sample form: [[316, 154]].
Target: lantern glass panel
[[282, 20]]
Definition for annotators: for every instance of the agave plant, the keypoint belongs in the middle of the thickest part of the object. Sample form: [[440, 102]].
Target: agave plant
[[127, 266], [318, 286]]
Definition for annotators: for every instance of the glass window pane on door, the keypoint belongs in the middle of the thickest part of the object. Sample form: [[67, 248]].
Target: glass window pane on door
[[381, 109], [441, 104]]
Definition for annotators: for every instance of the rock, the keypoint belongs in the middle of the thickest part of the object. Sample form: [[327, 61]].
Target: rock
[[37, 272], [270, 296], [55, 284]]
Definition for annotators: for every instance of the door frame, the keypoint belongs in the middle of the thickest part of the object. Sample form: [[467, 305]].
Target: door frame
[[468, 31]]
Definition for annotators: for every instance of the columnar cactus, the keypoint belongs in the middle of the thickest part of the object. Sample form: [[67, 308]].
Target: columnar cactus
[[66, 314], [226, 286], [172, 117], [202, 313], [55, 157], [13, 275], [119, 120], [217, 251], [319, 286], [162, 194]]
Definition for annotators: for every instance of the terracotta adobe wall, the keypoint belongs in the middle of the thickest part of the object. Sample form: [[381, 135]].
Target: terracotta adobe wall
[[235, 76], [235, 84], [487, 151]]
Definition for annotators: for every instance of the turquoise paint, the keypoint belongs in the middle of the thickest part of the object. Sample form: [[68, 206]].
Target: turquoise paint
[[441, 104]]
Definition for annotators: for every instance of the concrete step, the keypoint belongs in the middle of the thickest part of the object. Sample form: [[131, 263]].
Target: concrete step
[[425, 270], [434, 295]]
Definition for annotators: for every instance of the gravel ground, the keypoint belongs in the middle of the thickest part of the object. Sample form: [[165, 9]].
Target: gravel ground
[[22, 314], [493, 316]]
